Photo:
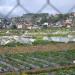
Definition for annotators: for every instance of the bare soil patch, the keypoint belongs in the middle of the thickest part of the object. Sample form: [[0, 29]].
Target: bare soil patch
[[49, 47]]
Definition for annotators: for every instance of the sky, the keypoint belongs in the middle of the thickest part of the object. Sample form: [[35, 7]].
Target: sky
[[34, 5]]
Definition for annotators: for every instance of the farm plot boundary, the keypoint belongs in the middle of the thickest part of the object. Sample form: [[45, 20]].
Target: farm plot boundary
[[49, 47]]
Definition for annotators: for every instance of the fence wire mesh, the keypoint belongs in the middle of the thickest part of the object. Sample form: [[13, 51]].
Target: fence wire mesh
[[44, 5], [26, 10]]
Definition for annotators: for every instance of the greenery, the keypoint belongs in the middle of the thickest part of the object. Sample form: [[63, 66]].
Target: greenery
[[59, 58], [40, 42], [15, 44], [37, 31]]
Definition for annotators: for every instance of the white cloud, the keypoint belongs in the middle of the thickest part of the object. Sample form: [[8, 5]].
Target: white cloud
[[5, 9]]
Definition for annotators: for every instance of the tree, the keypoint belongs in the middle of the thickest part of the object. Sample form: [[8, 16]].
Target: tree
[[14, 27]]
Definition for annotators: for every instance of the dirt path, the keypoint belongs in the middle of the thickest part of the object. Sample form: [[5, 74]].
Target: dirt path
[[49, 47]]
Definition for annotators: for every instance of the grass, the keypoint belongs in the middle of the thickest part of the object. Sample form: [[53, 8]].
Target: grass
[[60, 72], [2, 65], [60, 57], [37, 31]]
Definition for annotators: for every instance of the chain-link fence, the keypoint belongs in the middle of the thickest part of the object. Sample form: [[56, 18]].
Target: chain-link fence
[[19, 8], [18, 17], [46, 3]]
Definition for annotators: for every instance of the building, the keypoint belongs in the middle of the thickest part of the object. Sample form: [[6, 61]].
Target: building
[[23, 25], [68, 22]]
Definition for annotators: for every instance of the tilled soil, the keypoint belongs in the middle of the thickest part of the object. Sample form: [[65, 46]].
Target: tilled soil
[[49, 47]]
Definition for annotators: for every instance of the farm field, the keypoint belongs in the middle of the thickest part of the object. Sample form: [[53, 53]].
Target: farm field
[[37, 32], [19, 59], [38, 60], [30, 49]]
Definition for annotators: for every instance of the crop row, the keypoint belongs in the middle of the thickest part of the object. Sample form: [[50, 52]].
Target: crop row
[[36, 60]]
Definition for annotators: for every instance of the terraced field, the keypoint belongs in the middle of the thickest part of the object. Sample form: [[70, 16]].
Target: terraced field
[[37, 60]]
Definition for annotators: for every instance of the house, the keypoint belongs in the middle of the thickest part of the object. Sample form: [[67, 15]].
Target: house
[[19, 25], [56, 24], [23, 25], [59, 23], [35, 27], [45, 25], [68, 23]]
